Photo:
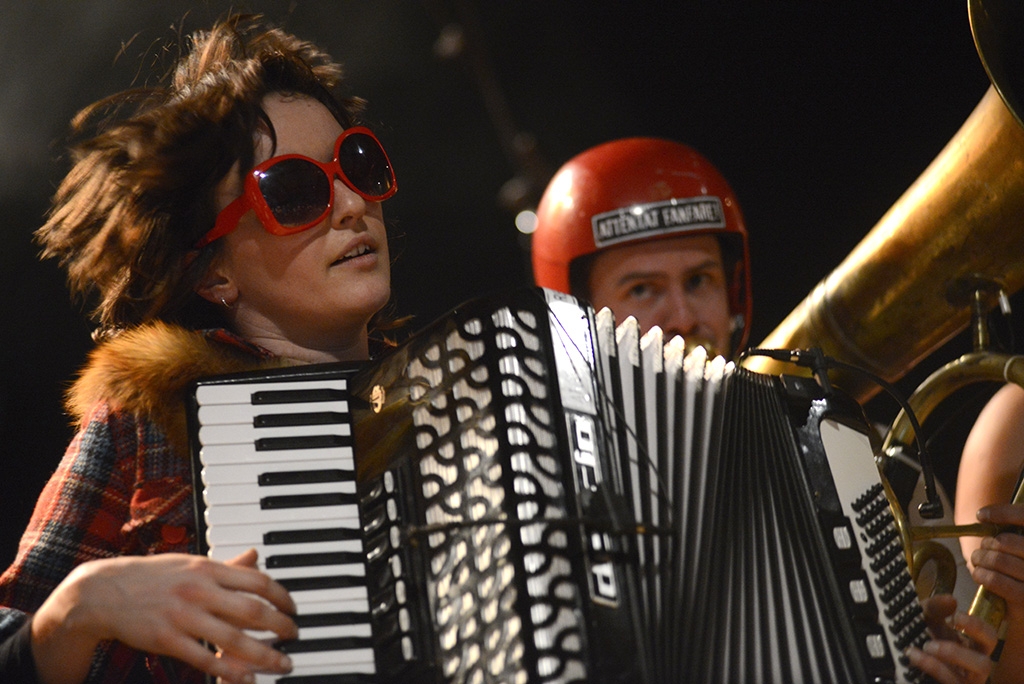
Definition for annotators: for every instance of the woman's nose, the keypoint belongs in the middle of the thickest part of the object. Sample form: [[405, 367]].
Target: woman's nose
[[348, 205]]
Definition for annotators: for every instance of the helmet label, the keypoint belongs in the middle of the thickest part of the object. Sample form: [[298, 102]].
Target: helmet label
[[657, 219]]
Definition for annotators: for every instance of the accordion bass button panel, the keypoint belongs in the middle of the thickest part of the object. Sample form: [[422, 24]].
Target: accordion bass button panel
[[879, 587]]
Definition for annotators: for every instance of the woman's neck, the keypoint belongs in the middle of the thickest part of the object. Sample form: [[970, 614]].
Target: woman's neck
[[355, 348]]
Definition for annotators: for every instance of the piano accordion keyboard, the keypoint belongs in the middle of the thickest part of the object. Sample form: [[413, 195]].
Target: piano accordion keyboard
[[278, 475]]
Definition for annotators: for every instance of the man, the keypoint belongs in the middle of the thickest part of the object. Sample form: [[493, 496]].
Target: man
[[649, 228]]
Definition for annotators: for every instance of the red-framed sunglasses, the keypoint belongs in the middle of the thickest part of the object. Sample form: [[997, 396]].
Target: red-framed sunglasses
[[292, 193]]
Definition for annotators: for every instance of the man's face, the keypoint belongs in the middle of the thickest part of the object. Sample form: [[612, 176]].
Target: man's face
[[675, 283]]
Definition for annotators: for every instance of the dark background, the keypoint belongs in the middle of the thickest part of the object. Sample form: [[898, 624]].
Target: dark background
[[820, 113]]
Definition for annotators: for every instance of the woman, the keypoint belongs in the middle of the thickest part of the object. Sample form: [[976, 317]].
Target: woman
[[163, 220]]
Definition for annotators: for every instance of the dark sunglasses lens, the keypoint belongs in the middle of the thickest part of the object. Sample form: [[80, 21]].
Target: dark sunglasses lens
[[296, 192], [365, 165]]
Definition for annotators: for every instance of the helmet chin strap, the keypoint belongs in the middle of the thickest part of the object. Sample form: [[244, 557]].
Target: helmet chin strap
[[736, 326]]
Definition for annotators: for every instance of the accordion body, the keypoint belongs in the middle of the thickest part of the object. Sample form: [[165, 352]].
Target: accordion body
[[535, 495]]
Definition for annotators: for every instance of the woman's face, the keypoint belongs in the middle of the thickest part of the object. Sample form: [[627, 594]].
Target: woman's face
[[308, 295]]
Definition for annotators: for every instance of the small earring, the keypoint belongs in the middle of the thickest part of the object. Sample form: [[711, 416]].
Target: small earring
[[224, 302]]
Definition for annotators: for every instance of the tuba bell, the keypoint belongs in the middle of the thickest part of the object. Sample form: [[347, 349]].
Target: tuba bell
[[900, 294]]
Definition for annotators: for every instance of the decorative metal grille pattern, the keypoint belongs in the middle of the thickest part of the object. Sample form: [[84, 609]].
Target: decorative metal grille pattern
[[499, 568]]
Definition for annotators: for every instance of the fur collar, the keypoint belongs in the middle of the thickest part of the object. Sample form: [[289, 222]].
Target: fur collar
[[148, 370]]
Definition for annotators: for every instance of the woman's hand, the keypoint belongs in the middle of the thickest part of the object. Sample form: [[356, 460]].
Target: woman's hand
[[961, 645], [165, 604]]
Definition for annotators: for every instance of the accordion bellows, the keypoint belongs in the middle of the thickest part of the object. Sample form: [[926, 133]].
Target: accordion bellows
[[546, 497]]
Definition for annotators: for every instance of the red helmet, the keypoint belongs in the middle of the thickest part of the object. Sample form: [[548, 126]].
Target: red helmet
[[639, 189]]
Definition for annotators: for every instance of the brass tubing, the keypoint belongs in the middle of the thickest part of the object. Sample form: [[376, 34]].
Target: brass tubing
[[968, 369]]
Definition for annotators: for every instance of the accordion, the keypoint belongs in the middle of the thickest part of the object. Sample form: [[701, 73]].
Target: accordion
[[523, 492]]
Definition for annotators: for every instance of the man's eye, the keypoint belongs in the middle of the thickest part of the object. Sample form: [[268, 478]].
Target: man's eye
[[698, 281], [639, 291]]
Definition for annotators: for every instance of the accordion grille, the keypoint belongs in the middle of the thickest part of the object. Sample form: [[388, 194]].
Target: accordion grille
[[493, 549]]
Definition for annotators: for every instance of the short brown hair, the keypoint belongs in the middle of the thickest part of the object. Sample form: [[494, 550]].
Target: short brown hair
[[141, 187]]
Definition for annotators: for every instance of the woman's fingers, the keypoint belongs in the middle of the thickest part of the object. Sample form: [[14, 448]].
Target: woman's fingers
[[237, 646], [938, 607], [949, 662], [983, 636], [961, 645], [238, 598], [247, 579], [246, 559], [937, 610], [169, 603], [247, 612], [194, 653]]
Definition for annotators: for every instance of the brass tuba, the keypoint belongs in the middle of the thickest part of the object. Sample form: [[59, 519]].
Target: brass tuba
[[951, 243], [900, 294]]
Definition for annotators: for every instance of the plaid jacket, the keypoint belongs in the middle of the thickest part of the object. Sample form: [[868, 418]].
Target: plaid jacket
[[124, 486]]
